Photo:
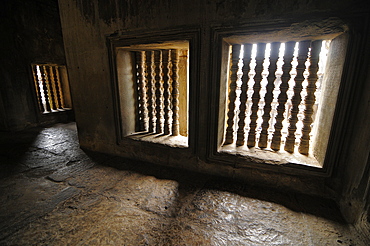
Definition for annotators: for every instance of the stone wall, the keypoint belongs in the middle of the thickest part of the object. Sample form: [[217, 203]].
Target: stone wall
[[30, 33], [88, 24]]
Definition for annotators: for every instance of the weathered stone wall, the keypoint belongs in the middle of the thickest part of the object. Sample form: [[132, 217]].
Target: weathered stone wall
[[355, 179], [87, 24], [30, 33]]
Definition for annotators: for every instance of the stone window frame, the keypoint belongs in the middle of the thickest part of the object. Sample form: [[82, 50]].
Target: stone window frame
[[58, 85], [156, 38], [278, 31]]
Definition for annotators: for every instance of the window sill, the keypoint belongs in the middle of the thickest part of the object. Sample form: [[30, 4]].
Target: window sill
[[265, 156], [172, 141], [57, 110]]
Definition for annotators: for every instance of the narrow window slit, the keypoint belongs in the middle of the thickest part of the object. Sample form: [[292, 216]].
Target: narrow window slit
[[263, 91], [142, 91], [51, 88], [38, 88], [229, 138], [175, 93], [43, 90], [167, 91], [266, 117], [246, 54], [261, 47], [149, 56], [310, 97], [47, 99], [282, 99], [158, 91], [296, 98], [58, 87]]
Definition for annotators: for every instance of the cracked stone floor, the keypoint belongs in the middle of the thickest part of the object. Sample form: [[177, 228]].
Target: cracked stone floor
[[54, 193]]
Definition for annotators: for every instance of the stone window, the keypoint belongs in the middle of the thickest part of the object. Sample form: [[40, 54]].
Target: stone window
[[152, 85], [278, 91], [51, 87]]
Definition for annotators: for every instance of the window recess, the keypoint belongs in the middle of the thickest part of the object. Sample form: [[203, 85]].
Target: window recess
[[280, 98], [153, 92], [51, 87]]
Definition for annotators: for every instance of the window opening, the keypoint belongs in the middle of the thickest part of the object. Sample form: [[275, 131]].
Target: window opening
[[152, 81], [158, 91], [49, 88], [273, 94]]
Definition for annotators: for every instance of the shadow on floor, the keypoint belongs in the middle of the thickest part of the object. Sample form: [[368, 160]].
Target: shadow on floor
[[13, 148], [313, 205]]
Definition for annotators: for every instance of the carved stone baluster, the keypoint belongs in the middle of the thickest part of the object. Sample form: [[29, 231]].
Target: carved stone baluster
[[229, 137], [151, 90], [166, 92], [37, 87], [159, 90], [261, 47], [45, 88], [310, 98], [302, 57], [243, 95], [54, 87], [58, 87], [49, 83], [141, 88], [175, 93], [282, 99], [274, 56]]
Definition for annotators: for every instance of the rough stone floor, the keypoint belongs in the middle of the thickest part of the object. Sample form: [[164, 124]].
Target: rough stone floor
[[54, 193]]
